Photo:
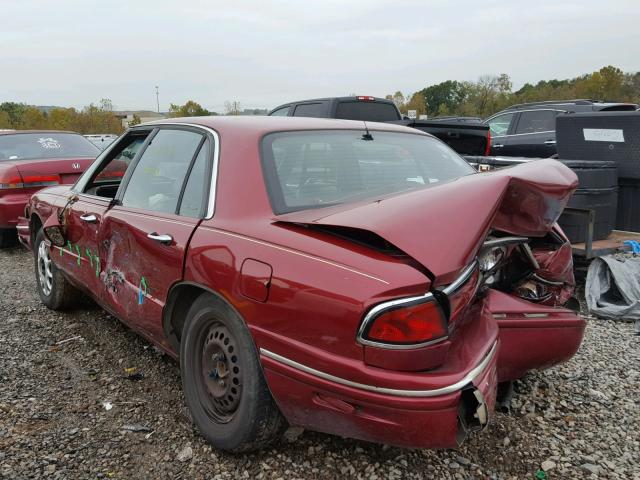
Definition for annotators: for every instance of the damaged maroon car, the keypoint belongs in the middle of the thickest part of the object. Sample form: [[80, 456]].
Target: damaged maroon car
[[355, 279]]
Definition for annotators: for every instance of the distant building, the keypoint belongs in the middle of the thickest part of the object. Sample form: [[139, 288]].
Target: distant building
[[126, 116]]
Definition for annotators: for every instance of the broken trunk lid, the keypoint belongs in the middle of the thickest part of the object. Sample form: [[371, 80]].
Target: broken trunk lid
[[443, 226]]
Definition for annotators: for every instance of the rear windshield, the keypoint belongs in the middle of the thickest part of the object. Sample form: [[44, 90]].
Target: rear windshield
[[319, 168], [24, 146], [367, 111]]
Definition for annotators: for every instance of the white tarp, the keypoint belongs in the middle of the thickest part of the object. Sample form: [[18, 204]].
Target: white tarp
[[613, 288]]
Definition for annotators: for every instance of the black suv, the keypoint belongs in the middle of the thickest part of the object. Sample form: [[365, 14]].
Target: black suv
[[529, 129]]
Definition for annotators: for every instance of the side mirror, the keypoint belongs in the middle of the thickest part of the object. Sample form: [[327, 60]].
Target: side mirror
[[54, 231]]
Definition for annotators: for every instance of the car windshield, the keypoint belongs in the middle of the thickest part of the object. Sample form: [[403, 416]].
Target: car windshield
[[25, 146], [314, 169]]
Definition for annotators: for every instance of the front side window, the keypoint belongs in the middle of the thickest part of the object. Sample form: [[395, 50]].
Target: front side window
[[157, 180], [105, 181], [28, 146], [314, 169], [537, 121], [500, 125]]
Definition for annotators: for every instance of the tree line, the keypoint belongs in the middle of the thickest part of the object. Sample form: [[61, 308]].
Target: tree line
[[91, 119], [492, 93]]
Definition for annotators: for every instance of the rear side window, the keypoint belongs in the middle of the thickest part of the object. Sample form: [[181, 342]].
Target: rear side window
[[314, 169], [537, 121], [310, 110], [194, 192], [367, 111], [157, 180], [26, 146], [281, 112]]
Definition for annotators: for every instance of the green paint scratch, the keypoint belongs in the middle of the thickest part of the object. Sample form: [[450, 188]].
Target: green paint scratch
[[79, 254]]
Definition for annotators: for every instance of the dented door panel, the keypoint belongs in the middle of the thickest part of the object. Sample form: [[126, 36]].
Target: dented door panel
[[138, 270]]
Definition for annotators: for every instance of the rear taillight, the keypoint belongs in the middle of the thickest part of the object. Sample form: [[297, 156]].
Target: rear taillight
[[31, 181], [365, 98], [416, 322], [10, 179], [487, 149]]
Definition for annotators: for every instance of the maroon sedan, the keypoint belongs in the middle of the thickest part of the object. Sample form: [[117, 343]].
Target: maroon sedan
[[356, 279], [30, 160]]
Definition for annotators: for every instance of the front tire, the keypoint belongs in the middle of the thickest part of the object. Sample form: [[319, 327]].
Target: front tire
[[222, 380], [54, 290]]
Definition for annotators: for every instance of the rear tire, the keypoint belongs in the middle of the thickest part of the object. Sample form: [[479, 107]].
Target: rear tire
[[54, 290], [222, 380], [8, 237]]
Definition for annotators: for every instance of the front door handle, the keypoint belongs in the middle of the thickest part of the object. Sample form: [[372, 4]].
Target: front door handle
[[89, 218], [166, 239], [497, 145], [550, 142]]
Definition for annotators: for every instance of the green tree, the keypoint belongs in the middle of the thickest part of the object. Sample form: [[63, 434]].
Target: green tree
[[189, 109], [5, 120], [450, 94], [135, 120], [416, 102], [33, 119], [14, 111]]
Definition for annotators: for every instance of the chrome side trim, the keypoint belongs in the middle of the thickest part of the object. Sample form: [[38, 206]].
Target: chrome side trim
[[216, 159], [390, 305], [468, 378], [461, 280], [496, 242]]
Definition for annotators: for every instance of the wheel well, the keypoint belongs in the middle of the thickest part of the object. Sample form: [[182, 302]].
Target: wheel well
[[35, 224], [179, 302]]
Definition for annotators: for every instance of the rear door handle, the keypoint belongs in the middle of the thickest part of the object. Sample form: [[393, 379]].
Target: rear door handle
[[550, 142], [497, 145], [89, 218], [166, 239]]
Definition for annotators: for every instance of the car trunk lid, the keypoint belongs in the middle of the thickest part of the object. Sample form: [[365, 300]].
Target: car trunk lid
[[443, 226], [52, 170]]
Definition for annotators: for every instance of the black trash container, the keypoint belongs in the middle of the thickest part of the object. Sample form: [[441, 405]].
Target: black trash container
[[628, 205], [598, 191]]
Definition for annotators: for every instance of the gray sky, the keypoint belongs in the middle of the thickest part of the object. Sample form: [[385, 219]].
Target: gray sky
[[263, 53]]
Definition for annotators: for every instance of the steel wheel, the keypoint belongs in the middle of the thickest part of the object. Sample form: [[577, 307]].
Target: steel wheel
[[223, 382], [220, 373], [45, 273]]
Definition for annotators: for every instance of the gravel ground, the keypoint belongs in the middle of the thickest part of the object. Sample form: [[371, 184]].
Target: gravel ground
[[59, 370]]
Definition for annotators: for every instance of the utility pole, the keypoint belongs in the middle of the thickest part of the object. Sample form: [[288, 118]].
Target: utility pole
[[158, 98]]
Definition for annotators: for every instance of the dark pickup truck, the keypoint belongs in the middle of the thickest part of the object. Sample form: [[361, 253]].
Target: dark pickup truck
[[466, 138]]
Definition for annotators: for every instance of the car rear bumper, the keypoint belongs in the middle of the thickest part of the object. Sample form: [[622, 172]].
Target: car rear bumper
[[532, 337], [12, 207], [434, 418], [24, 232]]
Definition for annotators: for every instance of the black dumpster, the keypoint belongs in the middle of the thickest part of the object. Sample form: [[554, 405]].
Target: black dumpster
[[597, 191]]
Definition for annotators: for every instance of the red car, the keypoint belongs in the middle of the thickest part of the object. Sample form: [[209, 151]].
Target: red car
[[355, 278], [30, 160]]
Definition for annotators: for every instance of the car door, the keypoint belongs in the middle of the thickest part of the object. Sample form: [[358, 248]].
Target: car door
[[500, 126], [144, 237], [85, 211], [534, 134]]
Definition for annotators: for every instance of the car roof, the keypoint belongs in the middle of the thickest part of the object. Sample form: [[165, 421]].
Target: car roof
[[350, 98], [259, 125], [19, 132]]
